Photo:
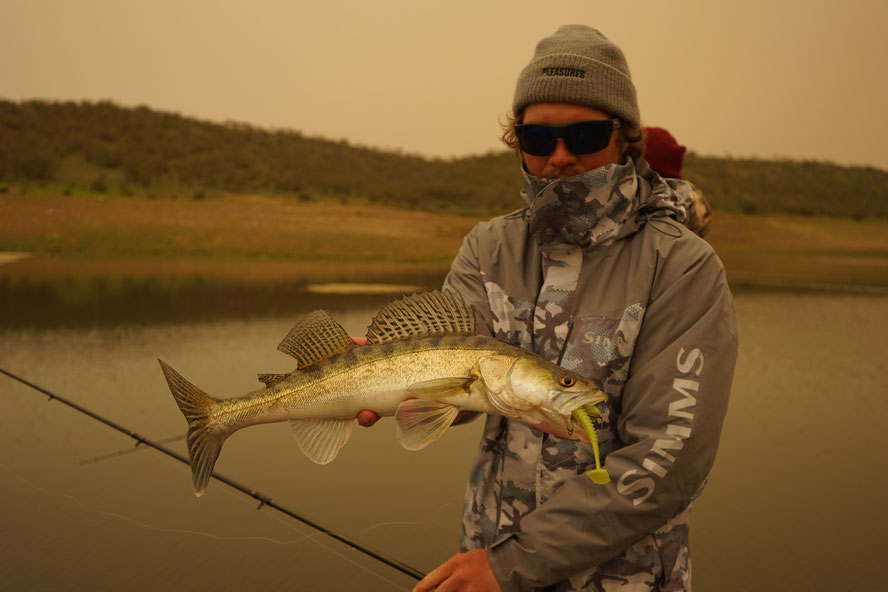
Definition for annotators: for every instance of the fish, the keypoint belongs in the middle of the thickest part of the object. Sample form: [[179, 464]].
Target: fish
[[424, 363]]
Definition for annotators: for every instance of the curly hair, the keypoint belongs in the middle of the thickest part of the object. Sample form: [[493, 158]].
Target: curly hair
[[631, 136]]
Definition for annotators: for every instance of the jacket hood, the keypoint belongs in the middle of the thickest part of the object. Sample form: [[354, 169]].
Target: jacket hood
[[600, 206]]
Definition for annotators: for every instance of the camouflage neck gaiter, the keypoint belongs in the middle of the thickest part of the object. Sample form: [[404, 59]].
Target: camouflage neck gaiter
[[589, 209]]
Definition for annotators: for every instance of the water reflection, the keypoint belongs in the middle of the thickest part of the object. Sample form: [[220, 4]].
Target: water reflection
[[141, 504], [72, 302], [793, 495]]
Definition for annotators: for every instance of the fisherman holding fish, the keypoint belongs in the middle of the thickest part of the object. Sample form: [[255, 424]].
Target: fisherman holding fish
[[598, 274], [594, 304]]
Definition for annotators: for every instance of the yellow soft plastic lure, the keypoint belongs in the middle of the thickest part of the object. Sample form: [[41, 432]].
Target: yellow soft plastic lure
[[583, 416]]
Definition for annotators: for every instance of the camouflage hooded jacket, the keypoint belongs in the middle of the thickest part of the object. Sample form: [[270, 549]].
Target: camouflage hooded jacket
[[598, 274]]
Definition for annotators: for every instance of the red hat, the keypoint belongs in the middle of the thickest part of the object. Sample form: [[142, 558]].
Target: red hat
[[663, 154]]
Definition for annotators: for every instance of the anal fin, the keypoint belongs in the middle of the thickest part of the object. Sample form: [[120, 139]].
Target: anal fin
[[422, 422], [321, 439]]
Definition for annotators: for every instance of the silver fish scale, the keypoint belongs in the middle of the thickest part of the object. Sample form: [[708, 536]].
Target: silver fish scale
[[347, 383]]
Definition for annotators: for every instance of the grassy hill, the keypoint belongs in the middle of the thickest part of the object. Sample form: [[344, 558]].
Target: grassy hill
[[105, 148]]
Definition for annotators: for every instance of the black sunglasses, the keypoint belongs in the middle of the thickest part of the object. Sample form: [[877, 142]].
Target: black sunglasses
[[584, 137]]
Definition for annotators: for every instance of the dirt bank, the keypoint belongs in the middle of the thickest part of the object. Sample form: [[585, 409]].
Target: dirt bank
[[272, 239]]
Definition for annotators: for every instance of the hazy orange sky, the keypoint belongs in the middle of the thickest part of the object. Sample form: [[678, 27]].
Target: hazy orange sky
[[800, 79]]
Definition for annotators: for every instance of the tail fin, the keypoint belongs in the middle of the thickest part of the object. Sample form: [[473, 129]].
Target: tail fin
[[204, 443]]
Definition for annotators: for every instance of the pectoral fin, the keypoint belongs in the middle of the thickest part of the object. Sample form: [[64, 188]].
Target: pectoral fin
[[422, 422], [321, 439], [431, 389]]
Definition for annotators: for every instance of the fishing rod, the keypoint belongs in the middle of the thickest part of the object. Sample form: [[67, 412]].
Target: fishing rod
[[262, 499]]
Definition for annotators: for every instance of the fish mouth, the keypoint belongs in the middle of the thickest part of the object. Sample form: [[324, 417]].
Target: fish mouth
[[566, 402], [571, 423]]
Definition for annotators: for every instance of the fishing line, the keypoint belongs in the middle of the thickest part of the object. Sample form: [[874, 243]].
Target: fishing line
[[313, 537], [262, 499], [185, 531], [126, 451], [369, 528], [133, 521]]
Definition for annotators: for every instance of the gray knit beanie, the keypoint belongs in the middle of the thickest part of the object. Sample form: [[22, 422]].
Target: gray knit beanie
[[581, 66]]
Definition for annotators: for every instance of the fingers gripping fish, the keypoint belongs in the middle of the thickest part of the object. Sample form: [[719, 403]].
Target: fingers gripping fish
[[424, 364]]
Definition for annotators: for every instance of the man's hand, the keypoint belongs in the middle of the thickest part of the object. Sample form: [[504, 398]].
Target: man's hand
[[466, 572], [366, 417]]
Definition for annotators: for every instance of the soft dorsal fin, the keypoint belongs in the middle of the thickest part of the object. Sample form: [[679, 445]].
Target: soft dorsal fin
[[269, 380], [425, 313], [317, 337]]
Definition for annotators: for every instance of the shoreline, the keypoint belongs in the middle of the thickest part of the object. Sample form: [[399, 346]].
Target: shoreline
[[96, 246], [782, 271], [38, 294], [7, 257]]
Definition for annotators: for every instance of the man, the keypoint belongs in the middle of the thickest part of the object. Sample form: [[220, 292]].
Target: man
[[665, 155], [598, 274]]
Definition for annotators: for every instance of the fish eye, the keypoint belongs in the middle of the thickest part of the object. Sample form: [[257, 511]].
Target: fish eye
[[567, 381]]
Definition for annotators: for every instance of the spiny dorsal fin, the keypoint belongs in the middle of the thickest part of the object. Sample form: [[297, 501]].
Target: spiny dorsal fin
[[317, 337], [425, 313]]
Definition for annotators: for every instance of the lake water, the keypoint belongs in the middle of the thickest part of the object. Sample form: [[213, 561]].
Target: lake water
[[795, 501]]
